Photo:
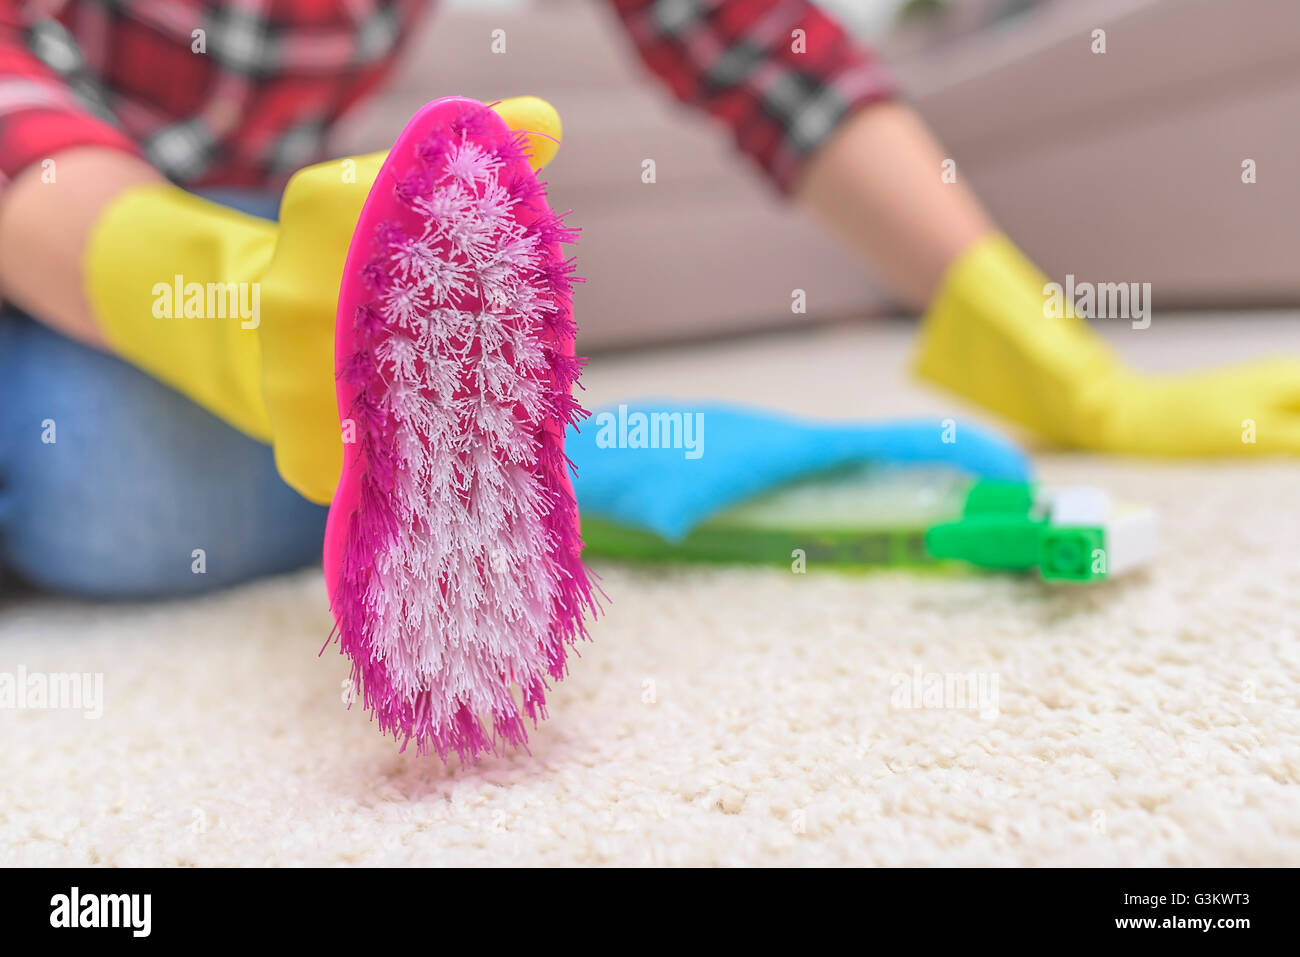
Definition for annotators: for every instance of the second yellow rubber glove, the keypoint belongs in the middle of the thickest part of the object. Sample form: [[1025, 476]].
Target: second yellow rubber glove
[[238, 313], [988, 337]]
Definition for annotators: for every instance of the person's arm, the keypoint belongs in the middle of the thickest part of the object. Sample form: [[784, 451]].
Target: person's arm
[[780, 75], [44, 229], [816, 113], [876, 183], [60, 165]]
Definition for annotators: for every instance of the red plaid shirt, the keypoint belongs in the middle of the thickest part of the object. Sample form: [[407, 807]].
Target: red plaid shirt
[[256, 102]]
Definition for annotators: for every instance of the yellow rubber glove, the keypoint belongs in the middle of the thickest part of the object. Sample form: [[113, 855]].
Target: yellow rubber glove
[[988, 337], [238, 313]]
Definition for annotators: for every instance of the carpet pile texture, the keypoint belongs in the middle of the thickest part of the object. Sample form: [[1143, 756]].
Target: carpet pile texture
[[731, 716]]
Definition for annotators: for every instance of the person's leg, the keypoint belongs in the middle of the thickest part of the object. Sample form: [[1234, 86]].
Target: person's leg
[[113, 485]]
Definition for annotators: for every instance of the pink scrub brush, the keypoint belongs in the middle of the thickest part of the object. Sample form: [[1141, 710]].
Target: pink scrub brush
[[452, 551]]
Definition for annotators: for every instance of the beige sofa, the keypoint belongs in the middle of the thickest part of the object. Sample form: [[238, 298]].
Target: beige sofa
[[1123, 166]]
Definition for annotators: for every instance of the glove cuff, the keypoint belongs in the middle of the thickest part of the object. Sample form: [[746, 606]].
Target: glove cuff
[[172, 280], [994, 335]]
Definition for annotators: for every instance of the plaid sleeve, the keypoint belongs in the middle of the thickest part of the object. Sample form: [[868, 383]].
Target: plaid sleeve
[[39, 112], [782, 92]]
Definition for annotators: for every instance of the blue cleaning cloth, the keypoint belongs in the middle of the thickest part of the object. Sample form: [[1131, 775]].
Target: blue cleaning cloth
[[718, 455]]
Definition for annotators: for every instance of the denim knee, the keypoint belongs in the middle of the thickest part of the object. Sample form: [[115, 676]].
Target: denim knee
[[113, 485]]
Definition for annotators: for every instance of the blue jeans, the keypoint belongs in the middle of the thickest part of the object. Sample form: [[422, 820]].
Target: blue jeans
[[112, 485]]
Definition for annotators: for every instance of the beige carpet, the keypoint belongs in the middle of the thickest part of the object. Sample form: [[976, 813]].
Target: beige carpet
[[730, 716]]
